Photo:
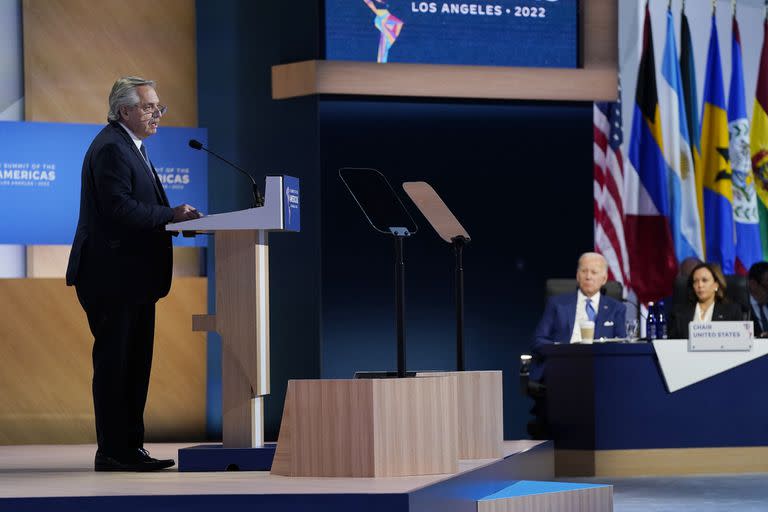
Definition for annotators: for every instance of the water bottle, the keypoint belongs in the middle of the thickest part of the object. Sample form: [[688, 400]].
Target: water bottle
[[661, 322], [650, 323]]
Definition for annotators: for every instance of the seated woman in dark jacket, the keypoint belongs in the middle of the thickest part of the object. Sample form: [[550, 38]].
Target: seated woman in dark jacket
[[706, 301]]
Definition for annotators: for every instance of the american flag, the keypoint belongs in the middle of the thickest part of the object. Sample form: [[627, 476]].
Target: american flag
[[608, 190]]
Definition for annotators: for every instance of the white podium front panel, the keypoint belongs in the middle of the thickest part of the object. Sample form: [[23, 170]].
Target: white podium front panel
[[279, 192], [682, 368]]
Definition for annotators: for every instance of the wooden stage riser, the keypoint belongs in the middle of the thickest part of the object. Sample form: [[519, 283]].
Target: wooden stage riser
[[368, 428], [480, 412], [661, 462]]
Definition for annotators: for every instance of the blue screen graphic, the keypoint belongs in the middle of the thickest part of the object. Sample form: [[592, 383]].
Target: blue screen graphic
[[532, 33], [40, 168]]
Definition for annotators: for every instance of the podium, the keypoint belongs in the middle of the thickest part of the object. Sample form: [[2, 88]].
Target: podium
[[242, 303]]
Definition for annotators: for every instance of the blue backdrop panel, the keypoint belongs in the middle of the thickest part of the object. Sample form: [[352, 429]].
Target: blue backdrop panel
[[542, 33], [40, 167]]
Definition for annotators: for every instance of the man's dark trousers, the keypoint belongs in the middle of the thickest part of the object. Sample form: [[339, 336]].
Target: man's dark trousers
[[122, 360]]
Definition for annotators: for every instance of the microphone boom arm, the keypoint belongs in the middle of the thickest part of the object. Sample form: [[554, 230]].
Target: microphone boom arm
[[258, 199]]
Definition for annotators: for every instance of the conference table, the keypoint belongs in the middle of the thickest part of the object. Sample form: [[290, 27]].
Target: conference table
[[628, 409]]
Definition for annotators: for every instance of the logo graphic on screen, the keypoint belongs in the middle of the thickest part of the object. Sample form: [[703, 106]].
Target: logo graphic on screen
[[174, 178], [291, 203], [27, 174], [536, 33], [389, 26]]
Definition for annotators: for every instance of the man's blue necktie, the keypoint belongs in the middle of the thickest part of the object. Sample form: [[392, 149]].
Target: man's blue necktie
[[590, 310]]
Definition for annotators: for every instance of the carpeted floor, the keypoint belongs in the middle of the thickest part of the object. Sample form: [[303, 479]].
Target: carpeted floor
[[706, 493]]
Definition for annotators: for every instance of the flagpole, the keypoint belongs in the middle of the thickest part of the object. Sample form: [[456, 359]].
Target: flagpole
[[733, 8], [714, 6]]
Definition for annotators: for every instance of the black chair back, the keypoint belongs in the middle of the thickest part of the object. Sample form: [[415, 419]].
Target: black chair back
[[612, 289]]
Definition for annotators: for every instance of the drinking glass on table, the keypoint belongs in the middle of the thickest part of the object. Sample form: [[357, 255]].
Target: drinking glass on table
[[633, 333]]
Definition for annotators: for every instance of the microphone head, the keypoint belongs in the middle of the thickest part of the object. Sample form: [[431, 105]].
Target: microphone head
[[195, 144]]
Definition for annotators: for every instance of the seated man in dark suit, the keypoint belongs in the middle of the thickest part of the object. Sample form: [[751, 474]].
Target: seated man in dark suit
[[561, 321], [564, 313], [757, 282]]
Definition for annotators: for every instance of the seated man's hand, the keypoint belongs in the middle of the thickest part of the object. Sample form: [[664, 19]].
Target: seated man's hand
[[185, 212]]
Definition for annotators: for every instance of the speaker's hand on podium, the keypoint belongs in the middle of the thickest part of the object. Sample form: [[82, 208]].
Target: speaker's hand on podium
[[185, 212]]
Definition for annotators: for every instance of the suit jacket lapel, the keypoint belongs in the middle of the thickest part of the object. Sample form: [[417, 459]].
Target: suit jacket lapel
[[147, 168], [159, 186], [717, 313], [571, 313], [151, 173], [602, 310]]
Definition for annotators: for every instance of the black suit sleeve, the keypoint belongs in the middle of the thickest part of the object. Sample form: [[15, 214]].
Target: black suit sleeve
[[114, 182]]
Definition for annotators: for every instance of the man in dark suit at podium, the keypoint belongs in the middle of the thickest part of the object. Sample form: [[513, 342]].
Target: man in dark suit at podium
[[121, 265], [564, 314], [757, 282]]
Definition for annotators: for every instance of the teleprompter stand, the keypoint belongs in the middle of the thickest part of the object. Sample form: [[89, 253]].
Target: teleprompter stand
[[449, 229], [386, 214], [479, 399], [372, 427]]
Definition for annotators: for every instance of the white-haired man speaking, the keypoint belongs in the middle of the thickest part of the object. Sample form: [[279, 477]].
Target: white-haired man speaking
[[121, 265]]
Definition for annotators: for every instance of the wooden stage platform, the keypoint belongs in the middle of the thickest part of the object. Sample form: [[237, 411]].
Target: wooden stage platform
[[61, 477]]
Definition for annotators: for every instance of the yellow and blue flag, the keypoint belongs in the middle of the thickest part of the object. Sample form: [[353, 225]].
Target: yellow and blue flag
[[717, 187]]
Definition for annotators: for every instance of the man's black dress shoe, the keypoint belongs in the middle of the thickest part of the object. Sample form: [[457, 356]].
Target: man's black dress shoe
[[138, 460]]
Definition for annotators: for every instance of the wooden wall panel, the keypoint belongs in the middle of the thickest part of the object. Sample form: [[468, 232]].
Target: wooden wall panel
[[661, 461], [51, 261], [75, 49], [45, 368]]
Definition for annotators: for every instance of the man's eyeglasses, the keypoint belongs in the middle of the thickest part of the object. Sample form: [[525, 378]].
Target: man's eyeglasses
[[153, 110]]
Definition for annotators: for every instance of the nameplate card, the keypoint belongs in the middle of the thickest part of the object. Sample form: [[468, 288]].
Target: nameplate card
[[720, 336]]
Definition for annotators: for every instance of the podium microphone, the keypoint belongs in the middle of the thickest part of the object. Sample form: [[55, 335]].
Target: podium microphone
[[258, 199]]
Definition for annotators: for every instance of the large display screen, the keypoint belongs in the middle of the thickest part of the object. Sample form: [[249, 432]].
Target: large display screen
[[537, 33], [40, 173]]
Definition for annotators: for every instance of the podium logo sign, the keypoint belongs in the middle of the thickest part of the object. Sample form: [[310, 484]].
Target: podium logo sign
[[291, 203], [41, 165]]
